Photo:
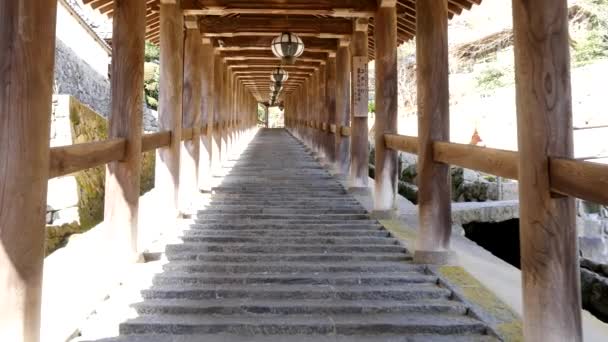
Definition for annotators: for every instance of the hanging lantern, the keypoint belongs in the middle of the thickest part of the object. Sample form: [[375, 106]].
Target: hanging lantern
[[288, 47], [276, 86], [279, 75], [281, 106]]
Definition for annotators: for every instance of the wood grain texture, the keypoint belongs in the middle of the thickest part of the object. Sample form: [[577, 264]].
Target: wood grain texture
[[497, 162], [121, 200], [385, 185], [359, 152], [580, 179], [191, 117], [402, 143], [216, 149], [27, 45], [548, 237], [343, 106], [152, 141], [65, 160], [434, 198], [170, 106], [330, 116]]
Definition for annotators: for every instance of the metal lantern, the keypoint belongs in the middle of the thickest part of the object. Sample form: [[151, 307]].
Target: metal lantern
[[276, 86], [279, 75], [288, 47]]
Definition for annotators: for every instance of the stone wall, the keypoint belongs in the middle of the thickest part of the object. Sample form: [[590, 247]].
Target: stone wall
[[75, 202], [82, 62]]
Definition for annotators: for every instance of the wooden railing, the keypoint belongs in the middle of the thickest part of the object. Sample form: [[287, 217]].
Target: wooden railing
[[65, 160], [328, 128], [570, 177]]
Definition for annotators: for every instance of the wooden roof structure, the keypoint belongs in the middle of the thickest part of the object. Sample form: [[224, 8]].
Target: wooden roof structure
[[243, 30]]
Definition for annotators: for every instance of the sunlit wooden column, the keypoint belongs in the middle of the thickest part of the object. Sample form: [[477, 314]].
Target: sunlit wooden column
[[547, 224], [330, 109], [385, 29], [216, 143], [121, 201], [170, 105], [192, 94], [322, 109], [359, 145], [225, 111], [27, 46], [434, 198], [207, 122], [342, 144]]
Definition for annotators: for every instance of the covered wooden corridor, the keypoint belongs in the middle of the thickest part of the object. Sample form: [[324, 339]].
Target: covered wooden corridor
[[217, 60]]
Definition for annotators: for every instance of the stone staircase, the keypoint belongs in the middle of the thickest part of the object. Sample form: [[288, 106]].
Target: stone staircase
[[285, 254]]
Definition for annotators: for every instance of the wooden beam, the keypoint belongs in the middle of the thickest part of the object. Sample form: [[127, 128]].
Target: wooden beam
[[121, 200], [434, 195], [216, 149], [170, 108], [192, 97], [207, 103], [385, 189], [340, 8], [343, 64], [272, 26], [359, 150], [330, 113], [548, 236], [27, 42], [65, 160], [152, 141], [497, 162]]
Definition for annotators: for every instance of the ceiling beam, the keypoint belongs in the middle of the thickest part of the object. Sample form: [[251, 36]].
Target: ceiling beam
[[272, 26], [335, 8]]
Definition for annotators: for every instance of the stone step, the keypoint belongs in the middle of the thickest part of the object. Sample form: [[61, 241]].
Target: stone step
[[289, 218], [291, 240], [226, 337], [257, 257], [296, 307], [310, 226], [414, 291], [292, 267], [283, 211], [278, 232], [414, 323], [317, 278], [284, 248]]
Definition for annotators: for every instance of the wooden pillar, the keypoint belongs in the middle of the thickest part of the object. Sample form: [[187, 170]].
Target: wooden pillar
[[190, 150], [385, 190], [125, 121], [207, 95], [434, 198], [343, 66], [359, 145], [224, 110], [170, 104], [267, 114], [216, 146], [548, 238], [321, 85], [330, 109], [27, 42]]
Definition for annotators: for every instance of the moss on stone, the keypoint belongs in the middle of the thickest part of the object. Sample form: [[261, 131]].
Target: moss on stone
[[508, 324], [88, 126]]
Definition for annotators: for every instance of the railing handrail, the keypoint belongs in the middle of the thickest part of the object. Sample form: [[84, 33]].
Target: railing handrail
[[65, 160], [570, 177]]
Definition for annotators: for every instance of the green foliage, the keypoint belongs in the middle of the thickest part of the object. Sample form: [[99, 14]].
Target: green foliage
[[151, 84], [152, 53], [151, 75], [371, 107], [261, 114], [593, 47], [490, 78]]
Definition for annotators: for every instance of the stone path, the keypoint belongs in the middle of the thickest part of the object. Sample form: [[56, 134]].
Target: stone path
[[285, 254]]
